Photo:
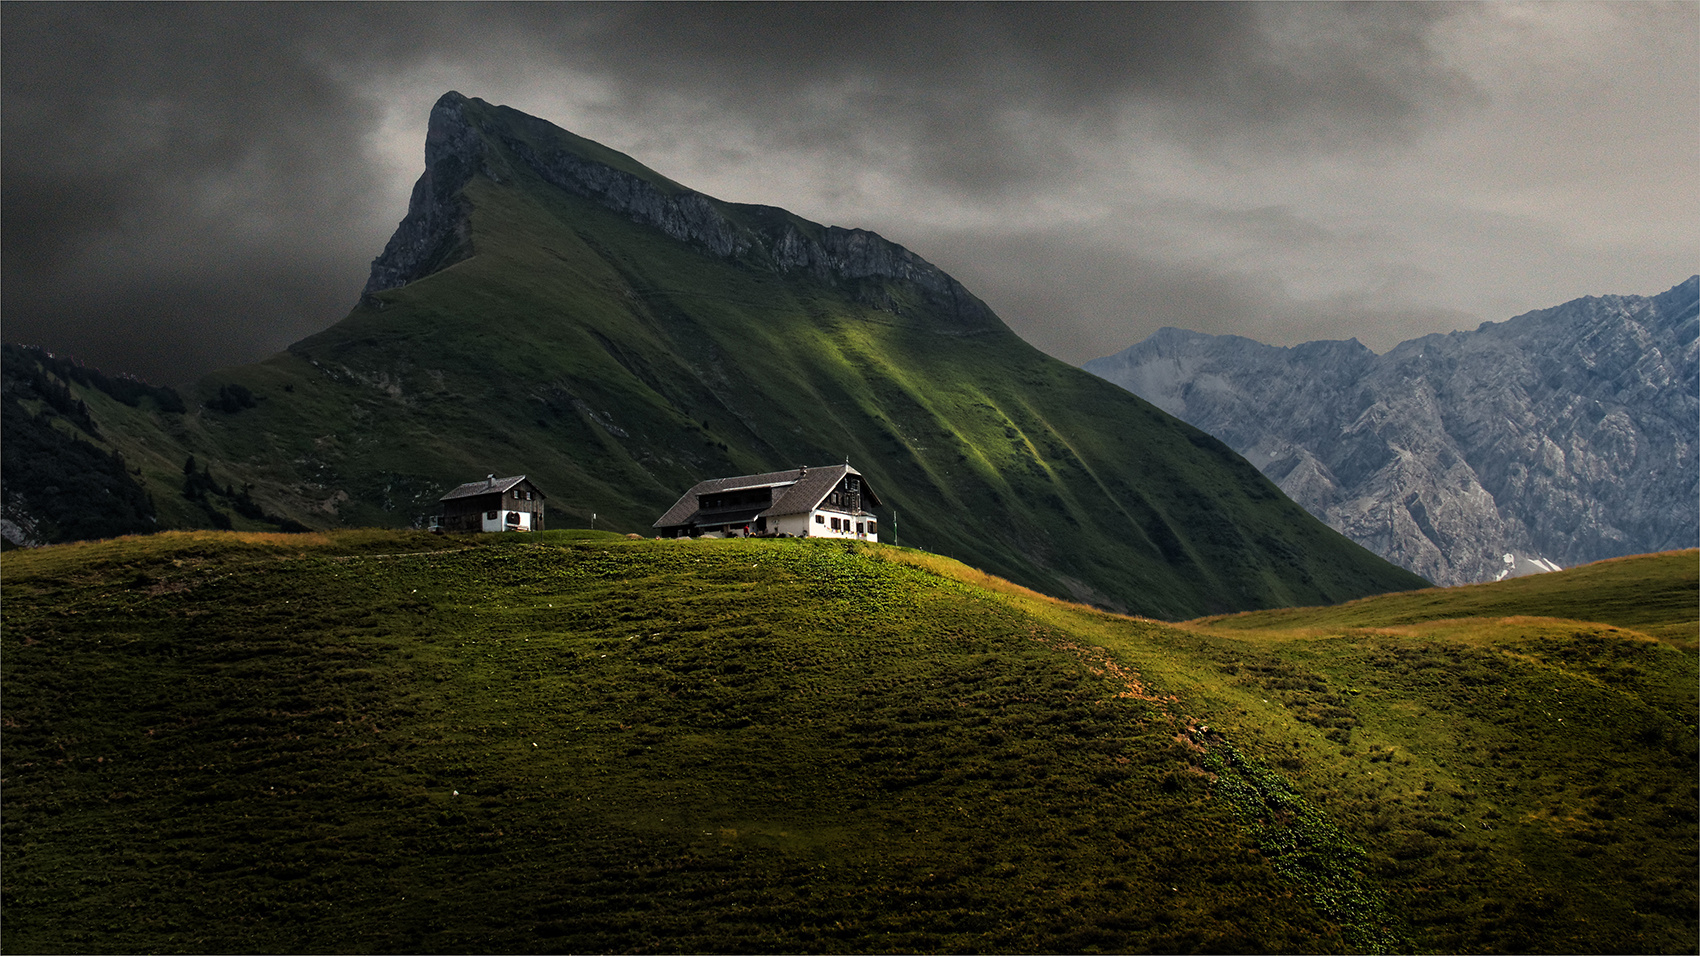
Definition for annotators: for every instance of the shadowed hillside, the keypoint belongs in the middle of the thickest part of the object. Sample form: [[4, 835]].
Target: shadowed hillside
[[572, 741]]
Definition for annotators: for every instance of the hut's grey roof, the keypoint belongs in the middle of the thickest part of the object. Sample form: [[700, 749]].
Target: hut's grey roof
[[487, 486], [795, 491], [811, 489]]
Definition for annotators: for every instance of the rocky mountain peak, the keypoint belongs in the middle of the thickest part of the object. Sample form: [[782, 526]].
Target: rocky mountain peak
[[435, 233], [468, 137]]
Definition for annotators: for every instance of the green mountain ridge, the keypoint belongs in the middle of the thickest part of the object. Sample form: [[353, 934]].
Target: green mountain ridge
[[552, 308]]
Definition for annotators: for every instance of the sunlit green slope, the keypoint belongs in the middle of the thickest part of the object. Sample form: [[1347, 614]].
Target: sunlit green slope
[[380, 741], [1651, 594]]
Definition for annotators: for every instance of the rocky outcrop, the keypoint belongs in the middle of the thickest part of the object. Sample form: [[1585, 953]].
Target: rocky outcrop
[[18, 527], [1559, 437], [435, 232], [468, 137]]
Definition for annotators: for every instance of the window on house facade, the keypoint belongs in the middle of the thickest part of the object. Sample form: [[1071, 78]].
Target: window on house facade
[[859, 528], [820, 519], [873, 527]]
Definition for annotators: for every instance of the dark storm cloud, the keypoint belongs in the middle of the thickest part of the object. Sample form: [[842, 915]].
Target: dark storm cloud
[[185, 187], [987, 96], [947, 82], [178, 178], [196, 323], [1071, 295]]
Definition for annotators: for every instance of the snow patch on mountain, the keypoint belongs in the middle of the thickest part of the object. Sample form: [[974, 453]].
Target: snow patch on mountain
[[1517, 566]]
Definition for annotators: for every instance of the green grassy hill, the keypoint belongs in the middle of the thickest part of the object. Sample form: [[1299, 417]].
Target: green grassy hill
[[1653, 595], [562, 335], [573, 741]]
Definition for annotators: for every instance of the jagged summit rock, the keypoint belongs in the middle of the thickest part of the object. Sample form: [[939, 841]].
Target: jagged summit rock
[[467, 136], [1561, 436]]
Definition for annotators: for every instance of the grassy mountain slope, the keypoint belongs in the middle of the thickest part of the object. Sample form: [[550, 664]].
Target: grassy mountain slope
[[617, 365], [574, 741], [88, 456], [1653, 595]]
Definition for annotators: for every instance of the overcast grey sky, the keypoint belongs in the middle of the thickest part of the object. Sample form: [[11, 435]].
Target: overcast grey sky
[[185, 188]]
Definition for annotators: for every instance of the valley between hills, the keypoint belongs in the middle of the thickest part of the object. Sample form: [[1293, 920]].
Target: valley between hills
[[388, 741]]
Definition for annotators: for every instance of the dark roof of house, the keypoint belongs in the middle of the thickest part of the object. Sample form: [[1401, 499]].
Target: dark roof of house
[[795, 491], [489, 486]]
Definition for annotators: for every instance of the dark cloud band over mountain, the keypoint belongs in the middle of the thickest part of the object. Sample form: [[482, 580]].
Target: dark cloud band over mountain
[[189, 186]]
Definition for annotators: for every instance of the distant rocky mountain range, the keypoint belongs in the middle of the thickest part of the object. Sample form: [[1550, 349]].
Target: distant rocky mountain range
[[1562, 436]]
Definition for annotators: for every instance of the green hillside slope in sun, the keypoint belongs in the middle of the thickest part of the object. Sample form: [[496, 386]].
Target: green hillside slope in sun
[[572, 741], [1651, 594], [569, 336]]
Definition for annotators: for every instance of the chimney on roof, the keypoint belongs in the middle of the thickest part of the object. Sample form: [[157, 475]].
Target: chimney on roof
[[489, 481], [802, 470]]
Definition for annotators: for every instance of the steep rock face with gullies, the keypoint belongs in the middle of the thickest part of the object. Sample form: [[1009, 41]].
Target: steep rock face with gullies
[[468, 136], [1559, 437], [434, 234]]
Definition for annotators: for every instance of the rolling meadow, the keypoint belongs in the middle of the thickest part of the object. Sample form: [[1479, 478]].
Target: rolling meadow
[[382, 741]]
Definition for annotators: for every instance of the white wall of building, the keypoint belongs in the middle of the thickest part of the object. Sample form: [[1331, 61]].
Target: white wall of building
[[500, 522], [805, 526], [794, 525], [820, 526]]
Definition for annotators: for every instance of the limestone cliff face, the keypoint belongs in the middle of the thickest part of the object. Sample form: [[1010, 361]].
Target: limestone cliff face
[[435, 233], [1562, 436], [468, 137]]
